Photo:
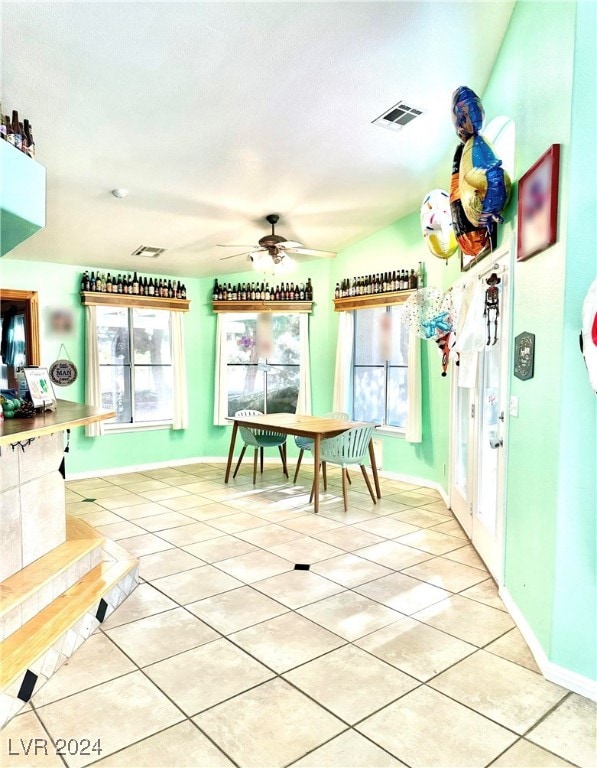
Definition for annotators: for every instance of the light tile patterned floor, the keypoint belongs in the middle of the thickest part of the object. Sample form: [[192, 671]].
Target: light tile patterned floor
[[392, 648]]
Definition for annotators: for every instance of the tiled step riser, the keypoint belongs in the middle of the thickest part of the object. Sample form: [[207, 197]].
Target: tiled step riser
[[39, 671], [48, 592]]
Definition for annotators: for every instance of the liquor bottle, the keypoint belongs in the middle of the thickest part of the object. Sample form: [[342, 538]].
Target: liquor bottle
[[30, 141], [24, 144], [10, 137], [421, 275], [184, 291], [150, 287], [262, 293], [18, 138], [84, 281], [135, 284], [267, 292], [109, 283], [412, 280], [3, 130], [92, 282]]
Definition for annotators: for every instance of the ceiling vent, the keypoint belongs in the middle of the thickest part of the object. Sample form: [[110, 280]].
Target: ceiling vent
[[398, 116], [148, 252]]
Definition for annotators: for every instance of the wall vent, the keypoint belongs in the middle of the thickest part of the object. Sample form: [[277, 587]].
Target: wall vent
[[398, 116], [148, 252]]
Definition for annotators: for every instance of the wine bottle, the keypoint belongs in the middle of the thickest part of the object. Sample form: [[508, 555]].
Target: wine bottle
[[84, 281], [421, 275], [3, 131], [18, 139], [184, 291]]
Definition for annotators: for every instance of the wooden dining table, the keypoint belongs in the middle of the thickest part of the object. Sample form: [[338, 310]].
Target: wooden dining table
[[314, 427]]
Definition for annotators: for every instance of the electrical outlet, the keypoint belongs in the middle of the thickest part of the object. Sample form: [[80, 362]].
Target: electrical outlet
[[514, 406]]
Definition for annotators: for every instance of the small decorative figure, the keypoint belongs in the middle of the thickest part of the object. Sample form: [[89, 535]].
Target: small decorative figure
[[492, 306], [444, 344]]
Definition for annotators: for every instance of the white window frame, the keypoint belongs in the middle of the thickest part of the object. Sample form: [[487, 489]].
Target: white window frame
[[113, 427], [221, 417], [384, 428]]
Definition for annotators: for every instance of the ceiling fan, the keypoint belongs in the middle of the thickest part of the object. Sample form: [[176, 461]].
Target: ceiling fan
[[274, 246]]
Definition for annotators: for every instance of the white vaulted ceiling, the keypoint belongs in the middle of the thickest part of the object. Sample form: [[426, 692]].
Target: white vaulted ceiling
[[213, 115]]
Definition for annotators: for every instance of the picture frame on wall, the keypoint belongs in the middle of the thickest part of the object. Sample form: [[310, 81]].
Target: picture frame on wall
[[524, 356], [538, 205]]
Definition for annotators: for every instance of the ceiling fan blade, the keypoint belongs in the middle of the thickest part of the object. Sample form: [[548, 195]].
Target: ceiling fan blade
[[312, 252], [289, 244], [237, 245], [234, 255]]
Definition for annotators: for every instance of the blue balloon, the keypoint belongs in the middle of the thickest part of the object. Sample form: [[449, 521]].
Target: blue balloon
[[467, 113]]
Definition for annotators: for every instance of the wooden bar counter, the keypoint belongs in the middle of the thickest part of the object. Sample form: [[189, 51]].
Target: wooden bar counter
[[59, 577]]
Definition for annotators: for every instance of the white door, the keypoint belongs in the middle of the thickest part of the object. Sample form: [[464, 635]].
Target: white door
[[478, 424]]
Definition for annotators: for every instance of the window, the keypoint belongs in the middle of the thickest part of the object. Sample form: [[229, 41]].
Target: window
[[380, 367], [135, 364], [262, 358]]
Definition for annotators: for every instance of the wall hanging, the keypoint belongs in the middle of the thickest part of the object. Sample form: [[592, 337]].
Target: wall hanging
[[63, 371], [538, 205], [524, 356], [491, 312], [588, 336]]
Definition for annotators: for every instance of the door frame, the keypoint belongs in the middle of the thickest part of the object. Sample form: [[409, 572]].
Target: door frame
[[32, 345], [505, 254]]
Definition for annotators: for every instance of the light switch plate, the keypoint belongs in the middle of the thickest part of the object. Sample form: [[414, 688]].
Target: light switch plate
[[514, 406]]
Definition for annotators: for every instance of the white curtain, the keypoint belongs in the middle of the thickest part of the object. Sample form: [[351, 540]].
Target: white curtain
[[303, 404], [93, 393], [470, 332], [344, 354], [414, 422], [180, 409], [220, 385]]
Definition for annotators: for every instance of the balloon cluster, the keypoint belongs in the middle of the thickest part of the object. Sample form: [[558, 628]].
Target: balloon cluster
[[436, 224], [480, 187]]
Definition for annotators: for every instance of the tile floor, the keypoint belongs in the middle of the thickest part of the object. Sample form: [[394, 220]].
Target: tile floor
[[392, 648]]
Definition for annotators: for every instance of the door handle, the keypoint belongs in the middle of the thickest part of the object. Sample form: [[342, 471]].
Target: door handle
[[496, 442]]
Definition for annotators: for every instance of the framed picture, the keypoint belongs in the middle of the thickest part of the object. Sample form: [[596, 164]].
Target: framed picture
[[40, 387], [524, 356], [538, 205]]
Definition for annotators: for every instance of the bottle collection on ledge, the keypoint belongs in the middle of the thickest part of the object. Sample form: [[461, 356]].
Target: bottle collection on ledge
[[263, 292], [16, 133], [132, 286], [381, 282]]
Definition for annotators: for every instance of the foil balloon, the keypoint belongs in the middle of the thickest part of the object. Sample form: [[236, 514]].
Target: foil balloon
[[436, 224], [480, 187]]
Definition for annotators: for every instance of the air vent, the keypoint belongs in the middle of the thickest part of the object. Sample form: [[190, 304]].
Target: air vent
[[148, 252], [398, 116]]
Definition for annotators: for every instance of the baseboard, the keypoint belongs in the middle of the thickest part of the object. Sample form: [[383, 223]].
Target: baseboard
[[420, 481], [551, 671]]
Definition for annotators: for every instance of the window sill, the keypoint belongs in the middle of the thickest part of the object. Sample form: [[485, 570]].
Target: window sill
[[116, 429], [391, 432]]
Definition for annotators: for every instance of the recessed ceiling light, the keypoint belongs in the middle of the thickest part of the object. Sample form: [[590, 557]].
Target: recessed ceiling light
[[120, 193]]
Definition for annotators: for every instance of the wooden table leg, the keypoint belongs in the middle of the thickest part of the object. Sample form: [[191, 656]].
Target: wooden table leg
[[316, 444], [374, 469], [231, 451]]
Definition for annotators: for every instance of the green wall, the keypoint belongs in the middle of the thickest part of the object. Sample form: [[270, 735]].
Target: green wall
[[573, 643], [550, 510], [401, 246]]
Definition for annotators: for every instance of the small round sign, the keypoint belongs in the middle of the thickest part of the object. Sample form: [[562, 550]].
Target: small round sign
[[63, 373]]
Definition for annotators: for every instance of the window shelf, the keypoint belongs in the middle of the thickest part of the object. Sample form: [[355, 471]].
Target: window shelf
[[95, 298], [371, 300], [262, 306]]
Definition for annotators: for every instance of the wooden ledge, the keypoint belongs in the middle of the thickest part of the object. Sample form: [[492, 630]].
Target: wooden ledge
[[95, 298], [371, 300], [262, 306]]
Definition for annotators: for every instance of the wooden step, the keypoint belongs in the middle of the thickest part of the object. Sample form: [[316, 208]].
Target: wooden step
[[27, 644], [81, 539]]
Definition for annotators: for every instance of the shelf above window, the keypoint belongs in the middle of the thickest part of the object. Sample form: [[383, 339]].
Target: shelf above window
[[371, 300], [94, 298], [262, 306]]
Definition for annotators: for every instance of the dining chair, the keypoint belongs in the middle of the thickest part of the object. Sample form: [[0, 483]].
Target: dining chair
[[259, 439], [306, 444], [349, 448]]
